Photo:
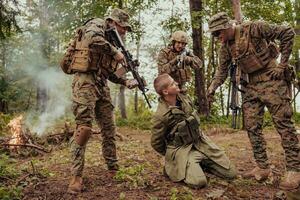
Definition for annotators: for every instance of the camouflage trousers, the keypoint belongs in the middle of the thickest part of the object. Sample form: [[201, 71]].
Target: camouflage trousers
[[275, 96], [88, 104]]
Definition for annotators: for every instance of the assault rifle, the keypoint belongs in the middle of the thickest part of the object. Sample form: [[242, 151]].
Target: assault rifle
[[184, 53], [234, 97], [132, 65]]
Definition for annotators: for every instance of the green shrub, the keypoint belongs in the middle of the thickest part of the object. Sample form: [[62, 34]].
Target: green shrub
[[10, 193]]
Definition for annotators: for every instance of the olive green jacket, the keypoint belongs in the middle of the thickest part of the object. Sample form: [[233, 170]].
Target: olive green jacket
[[165, 118]]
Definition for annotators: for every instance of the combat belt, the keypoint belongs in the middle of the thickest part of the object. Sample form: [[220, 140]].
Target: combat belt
[[186, 131]]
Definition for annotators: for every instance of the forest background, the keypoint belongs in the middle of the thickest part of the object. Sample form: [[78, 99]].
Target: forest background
[[34, 34]]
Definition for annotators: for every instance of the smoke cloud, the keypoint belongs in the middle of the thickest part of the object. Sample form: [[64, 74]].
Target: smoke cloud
[[29, 61]]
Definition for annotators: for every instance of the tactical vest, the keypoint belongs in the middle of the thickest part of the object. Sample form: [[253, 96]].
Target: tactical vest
[[85, 59], [183, 73], [186, 130], [252, 54]]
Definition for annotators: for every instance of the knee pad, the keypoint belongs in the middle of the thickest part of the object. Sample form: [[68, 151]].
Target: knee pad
[[82, 135]]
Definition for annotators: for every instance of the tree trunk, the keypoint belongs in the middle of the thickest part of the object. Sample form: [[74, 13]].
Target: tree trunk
[[138, 46], [296, 52], [197, 33], [42, 93], [122, 105], [3, 103], [236, 4]]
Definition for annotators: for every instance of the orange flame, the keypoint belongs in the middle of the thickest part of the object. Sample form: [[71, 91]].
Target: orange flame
[[16, 128]]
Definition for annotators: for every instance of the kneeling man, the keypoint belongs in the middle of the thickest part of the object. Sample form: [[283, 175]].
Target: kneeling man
[[176, 135]]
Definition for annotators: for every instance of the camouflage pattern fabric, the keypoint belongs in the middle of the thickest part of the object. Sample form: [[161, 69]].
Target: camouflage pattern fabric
[[167, 63], [93, 102], [273, 95], [91, 99], [263, 92]]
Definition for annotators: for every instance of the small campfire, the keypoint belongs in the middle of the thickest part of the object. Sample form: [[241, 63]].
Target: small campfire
[[19, 136]]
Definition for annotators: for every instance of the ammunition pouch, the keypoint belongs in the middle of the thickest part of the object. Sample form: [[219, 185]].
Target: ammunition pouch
[[255, 57], [290, 73], [249, 63], [84, 60], [82, 135], [186, 131], [185, 74], [66, 61], [273, 50]]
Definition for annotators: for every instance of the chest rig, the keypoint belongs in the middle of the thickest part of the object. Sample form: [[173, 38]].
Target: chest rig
[[89, 55], [182, 72], [251, 53]]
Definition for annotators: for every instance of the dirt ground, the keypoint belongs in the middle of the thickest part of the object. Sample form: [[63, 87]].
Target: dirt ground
[[141, 177]]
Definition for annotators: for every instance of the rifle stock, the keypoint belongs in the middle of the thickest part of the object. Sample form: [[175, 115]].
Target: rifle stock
[[131, 65]]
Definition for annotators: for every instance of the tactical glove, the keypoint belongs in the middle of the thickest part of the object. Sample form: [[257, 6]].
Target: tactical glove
[[132, 83], [188, 60], [277, 72], [197, 62]]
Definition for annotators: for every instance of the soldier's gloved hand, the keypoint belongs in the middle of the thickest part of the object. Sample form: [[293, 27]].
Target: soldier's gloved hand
[[131, 83], [119, 57], [188, 60], [277, 72], [197, 62]]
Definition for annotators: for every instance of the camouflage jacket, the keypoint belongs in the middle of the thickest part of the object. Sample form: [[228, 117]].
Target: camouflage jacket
[[167, 63], [103, 51], [260, 34], [164, 119]]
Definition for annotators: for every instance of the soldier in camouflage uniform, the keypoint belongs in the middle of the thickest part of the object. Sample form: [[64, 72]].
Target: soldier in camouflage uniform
[[176, 135], [250, 46], [95, 60], [177, 61]]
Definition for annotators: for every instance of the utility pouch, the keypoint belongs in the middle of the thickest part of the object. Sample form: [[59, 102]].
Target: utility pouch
[[80, 62], [194, 123], [183, 133], [274, 50], [83, 61], [250, 63], [185, 74], [290, 73], [66, 61]]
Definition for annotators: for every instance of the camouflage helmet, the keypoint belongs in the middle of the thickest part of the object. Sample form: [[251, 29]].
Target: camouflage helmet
[[121, 17], [180, 36], [219, 21]]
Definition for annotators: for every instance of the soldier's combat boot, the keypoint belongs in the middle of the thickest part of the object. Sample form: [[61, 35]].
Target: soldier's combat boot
[[113, 166], [290, 181], [76, 185], [258, 173]]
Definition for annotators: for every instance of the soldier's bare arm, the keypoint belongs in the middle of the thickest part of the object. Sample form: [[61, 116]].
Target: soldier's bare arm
[[222, 71]]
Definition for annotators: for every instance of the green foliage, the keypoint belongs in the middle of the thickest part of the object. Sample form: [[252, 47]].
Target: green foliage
[[4, 120], [7, 169], [8, 18], [141, 119], [182, 194], [10, 193], [175, 23], [132, 176]]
